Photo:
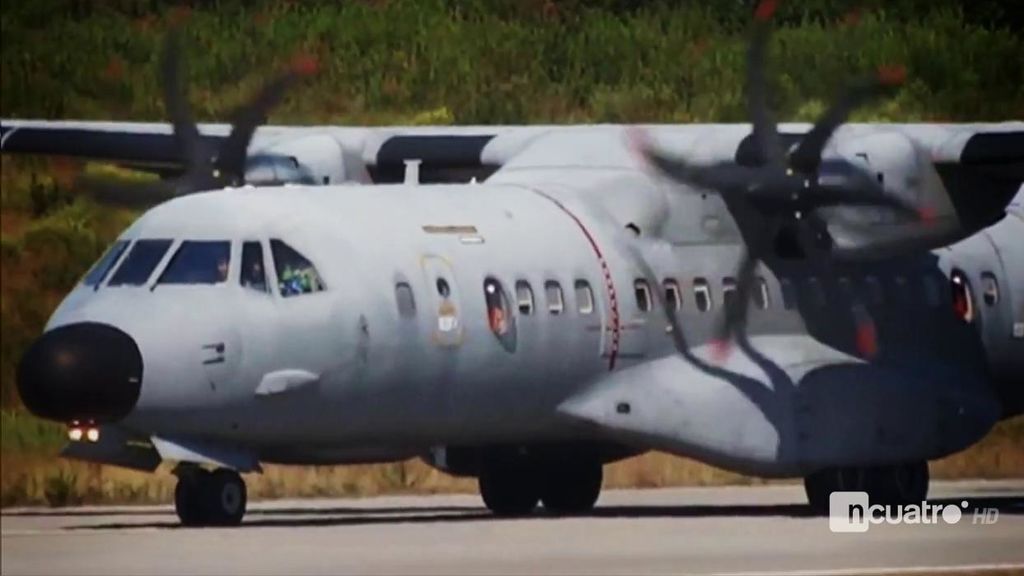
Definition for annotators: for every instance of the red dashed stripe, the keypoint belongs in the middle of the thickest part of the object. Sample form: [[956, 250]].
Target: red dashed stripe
[[609, 285]]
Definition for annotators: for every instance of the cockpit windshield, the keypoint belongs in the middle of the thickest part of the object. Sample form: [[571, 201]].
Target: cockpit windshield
[[140, 262], [102, 267], [295, 274], [198, 262]]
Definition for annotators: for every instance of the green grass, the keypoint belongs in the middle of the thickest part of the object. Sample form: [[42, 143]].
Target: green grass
[[23, 433]]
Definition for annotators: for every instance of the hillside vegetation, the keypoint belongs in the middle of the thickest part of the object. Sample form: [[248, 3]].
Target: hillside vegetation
[[446, 62]]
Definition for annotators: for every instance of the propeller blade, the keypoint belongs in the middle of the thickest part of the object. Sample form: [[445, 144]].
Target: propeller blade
[[232, 156], [186, 133], [807, 156], [734, 318], [765, 130], [723, 177]]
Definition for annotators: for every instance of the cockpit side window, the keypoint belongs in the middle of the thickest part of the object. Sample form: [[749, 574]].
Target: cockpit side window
[[295, 273], [137, 267], [198, 262], [254, 274], [105, 263]]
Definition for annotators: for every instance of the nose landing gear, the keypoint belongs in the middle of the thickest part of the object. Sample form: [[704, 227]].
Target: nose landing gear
[[205, 498]]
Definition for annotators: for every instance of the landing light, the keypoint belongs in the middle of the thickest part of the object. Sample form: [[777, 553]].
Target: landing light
[[78, 433]]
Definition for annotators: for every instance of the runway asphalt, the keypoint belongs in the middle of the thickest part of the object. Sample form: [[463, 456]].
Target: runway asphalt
[[752, 530]]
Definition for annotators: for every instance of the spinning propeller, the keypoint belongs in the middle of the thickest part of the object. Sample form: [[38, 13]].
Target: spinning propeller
[[783, 191], [206, 166]]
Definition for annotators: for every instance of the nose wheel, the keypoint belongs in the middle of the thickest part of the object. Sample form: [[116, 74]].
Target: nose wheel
[[204, 498]]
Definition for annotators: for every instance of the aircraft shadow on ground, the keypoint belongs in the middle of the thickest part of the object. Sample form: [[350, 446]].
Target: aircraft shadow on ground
[[326, 517]]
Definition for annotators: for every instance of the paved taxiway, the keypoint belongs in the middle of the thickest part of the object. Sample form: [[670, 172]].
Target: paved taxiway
[[752, 530]]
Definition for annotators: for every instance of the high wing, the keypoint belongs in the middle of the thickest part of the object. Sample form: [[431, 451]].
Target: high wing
[[459, 153]]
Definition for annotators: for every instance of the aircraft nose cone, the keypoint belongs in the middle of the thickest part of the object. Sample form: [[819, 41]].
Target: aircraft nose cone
[[85, 371]]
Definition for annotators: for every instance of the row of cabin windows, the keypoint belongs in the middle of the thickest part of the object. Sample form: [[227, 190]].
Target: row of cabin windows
[[524, 298], [811, 288]]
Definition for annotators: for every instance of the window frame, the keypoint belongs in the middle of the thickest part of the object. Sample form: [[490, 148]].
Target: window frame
[[277, 275], [790, 296], [179, 246], [116, 252], [642, 294], [549, 302], [728, 291], [990, 295], [761, 295], [875, 290], [816, 292], [269, 288], [402, 312], [673, 303], [531, 303], [154, 272], [701, 287], [584, 286]]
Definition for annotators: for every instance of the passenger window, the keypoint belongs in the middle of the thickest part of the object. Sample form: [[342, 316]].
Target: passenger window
[[140, 262], [643, 295], [198, 262], [931, 291], [584, 297], [963, 299], [728, 292], [102, 267], [673, 299], [902, 290], [553, 292], [815, 292], [524, 297], [443, 289], [499, 313], [295, 274], [788, 294], [876, 296], [254, 274], [760, 295], [989, 289], [702, 295], [405, 300]]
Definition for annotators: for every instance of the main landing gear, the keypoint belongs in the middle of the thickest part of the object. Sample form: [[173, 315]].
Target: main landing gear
[[513, 487], [205, 498], [885, 485]]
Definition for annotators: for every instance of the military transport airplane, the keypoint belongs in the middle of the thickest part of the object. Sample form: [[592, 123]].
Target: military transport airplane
[[525, 304]]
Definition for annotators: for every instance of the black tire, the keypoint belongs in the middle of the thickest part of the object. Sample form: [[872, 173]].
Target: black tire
[[820, 485], [224, 498], [899, 485], [508, 490], [571, 488], [188, 497]]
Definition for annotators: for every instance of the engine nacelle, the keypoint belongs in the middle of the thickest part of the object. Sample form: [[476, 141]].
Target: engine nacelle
[[961, 198], [312, 160]]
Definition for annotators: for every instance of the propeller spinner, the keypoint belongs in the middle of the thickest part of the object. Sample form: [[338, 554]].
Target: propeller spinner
[[206, 167], [784, 191]]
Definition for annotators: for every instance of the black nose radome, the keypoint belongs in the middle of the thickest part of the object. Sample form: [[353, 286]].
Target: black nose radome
[[85, 371]]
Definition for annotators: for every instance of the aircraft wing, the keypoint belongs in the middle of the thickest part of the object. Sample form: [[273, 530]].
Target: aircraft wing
[[458, 153]]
